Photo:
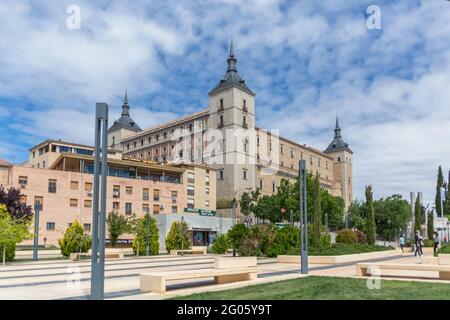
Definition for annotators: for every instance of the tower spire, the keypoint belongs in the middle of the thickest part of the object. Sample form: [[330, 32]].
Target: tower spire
[[337, 130], [231, 57], [125, 106]]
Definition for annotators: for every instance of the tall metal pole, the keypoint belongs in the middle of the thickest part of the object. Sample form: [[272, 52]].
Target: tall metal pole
[[99, 216], [147, 249], [291, 218], [37, 208], [234, 223], [303, 216], [182, 236]]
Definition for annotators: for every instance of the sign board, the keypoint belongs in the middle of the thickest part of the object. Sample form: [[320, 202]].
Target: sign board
[[280, 225], [202, 212]]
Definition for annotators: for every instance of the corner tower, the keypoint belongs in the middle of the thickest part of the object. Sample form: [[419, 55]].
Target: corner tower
[[232, 115], [342, 166], [123, 127]]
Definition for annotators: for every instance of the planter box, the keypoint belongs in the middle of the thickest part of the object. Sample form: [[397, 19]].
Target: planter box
[[234, 262], [444, 259], [342, 258]]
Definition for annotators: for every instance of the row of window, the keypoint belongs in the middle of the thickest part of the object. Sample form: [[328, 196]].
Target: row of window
[[51, 226], [222, 106], [62, 149]]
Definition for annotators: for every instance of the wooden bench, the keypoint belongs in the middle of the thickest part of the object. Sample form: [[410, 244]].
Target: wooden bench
[[193, 250], [109, 254], [156, 281], [363, 269]]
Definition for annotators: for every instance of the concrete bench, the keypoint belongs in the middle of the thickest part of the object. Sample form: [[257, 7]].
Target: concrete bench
[[193, 250], [363, 269], [156, 281], [109, 254]]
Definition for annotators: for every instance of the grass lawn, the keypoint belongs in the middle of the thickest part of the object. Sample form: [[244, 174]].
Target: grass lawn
[[330, 288], [342, 249]]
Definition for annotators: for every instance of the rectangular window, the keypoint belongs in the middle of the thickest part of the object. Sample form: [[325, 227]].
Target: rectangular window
[[156, 208], [207, 190], [129, 190], [73, 203], [273, 187], [23, 181], [88, 203], [39, 201], [155, 194], [221, 121], [116, 191], [116, 205], [221, 175], [281, 149], [145, 194], [174, 196], [174, 209], [310, 160], [50, 226], [128, 208], [74, 185], [145, 208], [87, 227], [292, 153], [190, 203], [88, 186], [207, 203], [244, 174], [190, 190], [52, 185], [221, 105], [261, 184], [190, 177]]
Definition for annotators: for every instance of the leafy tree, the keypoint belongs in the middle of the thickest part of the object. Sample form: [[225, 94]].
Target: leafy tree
[[74, 240], [439, 185], [356, 214], [286, 240], [248, 202], [334, 207], [220, 244], [11, 198], [12, 231], [143, 231], [418, 217], [117, 225], [430, 224], [370, 216], [317, 213], [237, 234], [392, 214], [178, 236]]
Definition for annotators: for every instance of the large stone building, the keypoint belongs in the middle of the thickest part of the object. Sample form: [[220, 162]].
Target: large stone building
[[225, 137]]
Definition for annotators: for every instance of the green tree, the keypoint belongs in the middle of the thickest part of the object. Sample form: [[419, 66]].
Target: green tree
[[447, 200], [237, 234], [74, 240], [439, 185], [117, 225], [12, 231], [418, 217], [334, 207], [370, 216], [430, 224], [392, 214], [220, 244], [142, 232], [317, 214], [357, 215], [178, 236]]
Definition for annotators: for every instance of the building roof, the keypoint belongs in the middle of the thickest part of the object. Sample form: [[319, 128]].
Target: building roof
[[84, 146], [4, 163], [231, 77], [338, 144], [178, 121], [134, 163], [125, 121]]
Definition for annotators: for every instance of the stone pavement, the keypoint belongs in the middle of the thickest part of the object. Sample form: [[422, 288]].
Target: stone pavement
[[63, 279]]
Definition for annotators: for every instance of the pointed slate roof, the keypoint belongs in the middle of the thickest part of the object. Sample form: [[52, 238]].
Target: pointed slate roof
[[338, 144], [125, 121], [231, 77]]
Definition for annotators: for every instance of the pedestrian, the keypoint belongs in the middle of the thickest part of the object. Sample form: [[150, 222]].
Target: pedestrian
[[418, 244], [401, 242], [436, 241]]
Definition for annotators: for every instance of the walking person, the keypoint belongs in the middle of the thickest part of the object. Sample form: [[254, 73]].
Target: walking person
[[436, 241], [401, 241], [417, 242]]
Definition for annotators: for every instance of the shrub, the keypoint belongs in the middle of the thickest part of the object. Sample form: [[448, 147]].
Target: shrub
[[74, 240], [178, 236], [346, 236], [428, 243], [237, 234], [140, 240], [286, 240], [265, 234], [220, 244], [360, 237], [249, 246], [10, 252], [445, 249]]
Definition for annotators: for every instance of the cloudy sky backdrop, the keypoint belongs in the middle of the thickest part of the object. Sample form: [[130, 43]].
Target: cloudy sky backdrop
[[306, 60]]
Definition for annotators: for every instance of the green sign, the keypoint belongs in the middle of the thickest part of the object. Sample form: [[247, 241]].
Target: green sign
[[202, 212], [280, 225]]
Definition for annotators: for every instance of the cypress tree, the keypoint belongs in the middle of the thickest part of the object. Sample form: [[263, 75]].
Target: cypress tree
[[418, 215], [439, 185], [430, 224], [370, 216], [317, 213]]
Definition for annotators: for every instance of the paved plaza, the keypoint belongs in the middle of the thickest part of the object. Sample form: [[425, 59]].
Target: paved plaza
[[63, 279]]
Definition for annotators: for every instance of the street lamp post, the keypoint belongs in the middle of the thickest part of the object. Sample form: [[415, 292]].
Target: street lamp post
[[234, 221], [182, 236], [147, 240], [37, 209], [303, 216], [326, 221]]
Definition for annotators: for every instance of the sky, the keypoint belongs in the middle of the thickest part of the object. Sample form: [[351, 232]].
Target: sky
[[306, 61]]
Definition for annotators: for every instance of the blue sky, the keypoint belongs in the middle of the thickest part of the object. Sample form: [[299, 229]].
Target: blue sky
[[306, 60]]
